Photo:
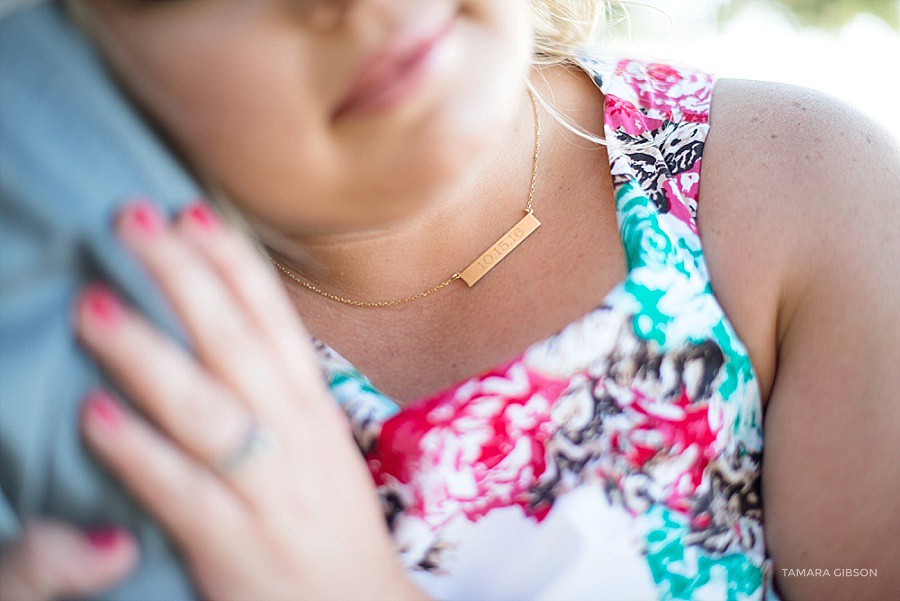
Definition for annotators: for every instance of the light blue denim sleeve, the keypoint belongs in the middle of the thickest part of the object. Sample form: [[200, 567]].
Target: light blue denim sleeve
[[71, 152]]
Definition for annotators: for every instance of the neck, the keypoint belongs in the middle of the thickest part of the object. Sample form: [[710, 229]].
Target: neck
[[409, 256], [457, 225]]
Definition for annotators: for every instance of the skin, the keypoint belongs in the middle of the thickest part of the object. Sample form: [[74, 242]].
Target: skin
[[801, 268], [434, 181], [805, 259]]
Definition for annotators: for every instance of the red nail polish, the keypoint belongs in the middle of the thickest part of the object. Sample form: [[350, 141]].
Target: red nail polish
[[202, 215], [144, 218], [103, 539], [102, 304], [104, 408]]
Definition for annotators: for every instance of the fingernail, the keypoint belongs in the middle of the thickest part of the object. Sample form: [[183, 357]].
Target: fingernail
[[102, 304], [202, 215], [104, 409], [103, 539], [143, 218]]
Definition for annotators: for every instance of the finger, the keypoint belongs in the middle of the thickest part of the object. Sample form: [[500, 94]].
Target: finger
[[193, 505], [53, 560], [224, 338], [196, 410], [255, 286]]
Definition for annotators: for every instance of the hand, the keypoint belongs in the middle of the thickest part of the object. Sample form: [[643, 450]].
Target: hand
[[52, 560], [246, 461]]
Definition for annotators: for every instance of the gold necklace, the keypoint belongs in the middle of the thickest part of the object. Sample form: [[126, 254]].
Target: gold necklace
[[480, 266]]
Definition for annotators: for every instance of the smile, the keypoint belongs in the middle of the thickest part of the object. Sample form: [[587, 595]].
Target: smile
[[396, 71]]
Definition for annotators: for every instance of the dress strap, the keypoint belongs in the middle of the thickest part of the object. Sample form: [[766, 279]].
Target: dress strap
[[656, 119]]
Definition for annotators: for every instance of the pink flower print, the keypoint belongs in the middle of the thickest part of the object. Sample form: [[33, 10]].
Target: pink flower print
[[675, 441], [694, 116], [472, 448], [661, 72], [622, 115]]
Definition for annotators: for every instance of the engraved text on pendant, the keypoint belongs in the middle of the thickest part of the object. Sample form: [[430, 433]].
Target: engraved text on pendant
[[502, 247]]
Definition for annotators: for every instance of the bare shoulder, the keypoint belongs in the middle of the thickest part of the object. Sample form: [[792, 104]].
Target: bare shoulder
[[790, 176], [799, 209]]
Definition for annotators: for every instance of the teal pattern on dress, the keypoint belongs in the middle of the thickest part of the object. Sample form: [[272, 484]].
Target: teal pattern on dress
[[617, 459]]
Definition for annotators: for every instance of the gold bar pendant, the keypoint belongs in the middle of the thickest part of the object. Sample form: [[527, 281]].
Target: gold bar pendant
[[502, 247]]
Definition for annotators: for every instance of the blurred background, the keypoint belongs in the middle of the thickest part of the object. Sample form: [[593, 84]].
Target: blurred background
[[847, 48]]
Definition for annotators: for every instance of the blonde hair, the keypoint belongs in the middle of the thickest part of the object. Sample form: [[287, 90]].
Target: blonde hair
[[565, 28]]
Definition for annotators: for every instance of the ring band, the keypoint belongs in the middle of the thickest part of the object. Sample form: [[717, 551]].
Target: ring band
[[258, 441]]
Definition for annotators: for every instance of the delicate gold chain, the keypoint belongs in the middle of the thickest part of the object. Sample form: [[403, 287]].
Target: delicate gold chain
[[400, 301], [537, 150], [356, 303]]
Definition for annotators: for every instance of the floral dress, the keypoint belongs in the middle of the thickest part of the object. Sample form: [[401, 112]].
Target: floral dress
[[619, 458]]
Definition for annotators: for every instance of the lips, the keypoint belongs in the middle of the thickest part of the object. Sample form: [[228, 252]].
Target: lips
[[395, 69]]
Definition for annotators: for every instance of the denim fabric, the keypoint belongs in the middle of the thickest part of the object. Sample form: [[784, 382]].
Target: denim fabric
[[72, 151]]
